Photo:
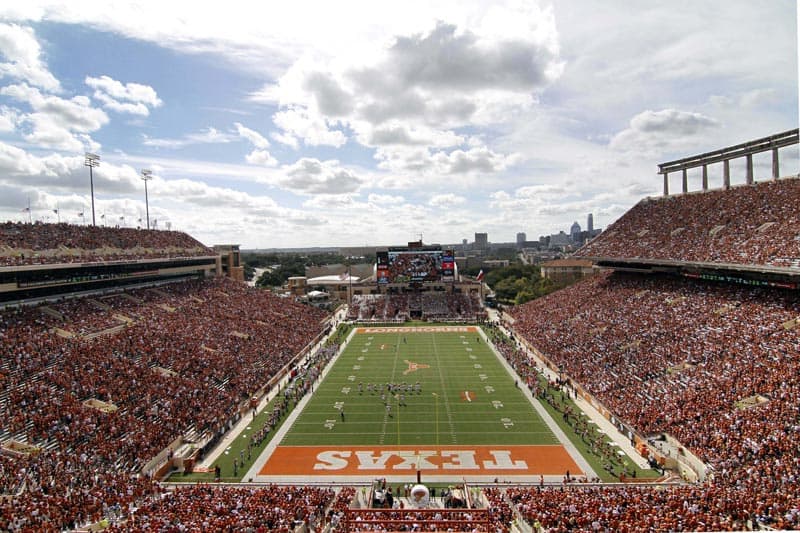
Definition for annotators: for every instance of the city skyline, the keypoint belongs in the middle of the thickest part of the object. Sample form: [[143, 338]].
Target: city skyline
[[350, 124]]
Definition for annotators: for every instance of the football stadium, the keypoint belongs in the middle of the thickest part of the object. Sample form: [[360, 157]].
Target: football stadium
[[145, 387]]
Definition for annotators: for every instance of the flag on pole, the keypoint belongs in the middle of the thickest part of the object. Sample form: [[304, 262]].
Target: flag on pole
[[480, 275], [55, 211]]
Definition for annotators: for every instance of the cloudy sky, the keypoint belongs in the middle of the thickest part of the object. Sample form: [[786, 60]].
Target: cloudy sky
[[350, 123]]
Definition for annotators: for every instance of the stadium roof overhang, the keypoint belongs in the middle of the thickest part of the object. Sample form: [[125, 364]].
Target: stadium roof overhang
[[98, 264], [24, 282], [748, 274]]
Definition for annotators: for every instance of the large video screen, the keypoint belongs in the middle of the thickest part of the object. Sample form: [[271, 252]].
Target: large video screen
[[415, 266]]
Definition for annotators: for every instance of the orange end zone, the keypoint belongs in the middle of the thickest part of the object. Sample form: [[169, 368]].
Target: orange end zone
[[443, 460]]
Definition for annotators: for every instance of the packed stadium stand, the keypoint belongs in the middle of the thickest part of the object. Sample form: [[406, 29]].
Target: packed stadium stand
[[96, 391], [258, 509], [691, 334], [748, 225], [32, 244], [712, 360]]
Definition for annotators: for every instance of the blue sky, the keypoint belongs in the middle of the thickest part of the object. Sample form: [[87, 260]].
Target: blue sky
[[351, 123]]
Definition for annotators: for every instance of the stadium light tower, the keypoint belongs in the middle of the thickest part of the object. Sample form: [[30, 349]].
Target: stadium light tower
[[147, 175], [92, 160]]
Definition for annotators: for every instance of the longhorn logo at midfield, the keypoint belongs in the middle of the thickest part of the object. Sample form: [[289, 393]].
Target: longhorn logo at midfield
[[413, 367]]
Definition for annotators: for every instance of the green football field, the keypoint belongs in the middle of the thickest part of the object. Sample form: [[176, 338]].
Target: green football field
[[464, 395]]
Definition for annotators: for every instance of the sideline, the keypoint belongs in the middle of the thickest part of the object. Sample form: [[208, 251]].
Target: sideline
[[261, 460], [241, 426], [576, 455], [604, 424]]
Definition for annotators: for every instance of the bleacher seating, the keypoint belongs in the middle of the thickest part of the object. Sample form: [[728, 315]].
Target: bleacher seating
[[755, 224], [195, 352], [680, 356], [34, 244], [278, 509], [664, 354]]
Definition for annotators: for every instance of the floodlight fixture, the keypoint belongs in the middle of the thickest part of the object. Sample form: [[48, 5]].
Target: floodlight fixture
[[92, 160], [147, 175]]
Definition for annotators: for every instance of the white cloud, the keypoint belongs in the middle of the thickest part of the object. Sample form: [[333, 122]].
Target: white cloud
[[654, 132], [410, 166], [119, 193], [446, 200], [258, 140], [542, 104], [57, 122], [327, 202], [544, 191], [755, 98], [416, 90], [449, 59], [132, 98], [18, 45], [259, 156], [331, 98], [8, 119], [287, 139], [397, 133], [385, 199], [207, 136], [17, 162], [478, 160], [313, 129], [312, 176]]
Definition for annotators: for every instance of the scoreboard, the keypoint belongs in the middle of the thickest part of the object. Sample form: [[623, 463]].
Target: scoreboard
[[415, 265]]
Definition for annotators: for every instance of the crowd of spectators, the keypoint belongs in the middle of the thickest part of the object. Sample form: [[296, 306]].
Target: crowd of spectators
[[683, 357], [427, 305], [301, 384], [196, 352], [714, 365], [755, 224], [271, 509], [39, 243], [409, 519]]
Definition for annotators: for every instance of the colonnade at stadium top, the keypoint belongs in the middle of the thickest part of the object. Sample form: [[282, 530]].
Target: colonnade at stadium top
[[725, 155]]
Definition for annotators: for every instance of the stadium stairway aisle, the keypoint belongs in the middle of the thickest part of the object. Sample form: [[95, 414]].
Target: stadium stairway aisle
[[594, 415], [209, 460]]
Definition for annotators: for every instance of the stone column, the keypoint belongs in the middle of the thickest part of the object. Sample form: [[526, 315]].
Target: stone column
[[666, 184], [726, 174], [705, 177], [749, 175], [684, 182], [776, 172]]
